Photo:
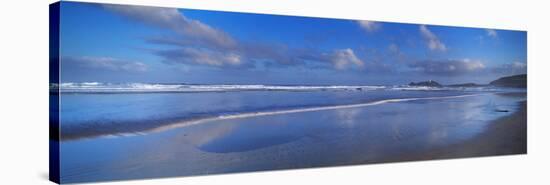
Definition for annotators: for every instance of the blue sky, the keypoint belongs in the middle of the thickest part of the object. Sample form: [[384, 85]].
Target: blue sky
[[115, 43]]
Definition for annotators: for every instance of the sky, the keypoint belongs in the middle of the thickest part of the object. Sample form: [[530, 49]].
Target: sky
[[120, 44]]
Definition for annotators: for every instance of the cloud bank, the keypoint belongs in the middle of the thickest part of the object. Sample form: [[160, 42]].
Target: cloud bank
[[193, 42], [201, 44], [448, 67], [104, 63], [511, 68]]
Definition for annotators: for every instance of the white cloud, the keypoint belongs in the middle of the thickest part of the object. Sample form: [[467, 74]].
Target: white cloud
[[197, 43], [432, 40], [202, 56], [369, 26], [171, 18], [472, 65], [344, 58], [492, 33]]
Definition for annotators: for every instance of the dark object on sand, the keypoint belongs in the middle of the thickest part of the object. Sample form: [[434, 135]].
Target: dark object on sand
[[501, 110], [430, 83], [519, 81]]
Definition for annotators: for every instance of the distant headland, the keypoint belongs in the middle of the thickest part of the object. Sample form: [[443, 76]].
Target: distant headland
[[517, 81]]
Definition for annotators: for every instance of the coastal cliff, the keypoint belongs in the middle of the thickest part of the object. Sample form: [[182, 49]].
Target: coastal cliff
[[518, 81]]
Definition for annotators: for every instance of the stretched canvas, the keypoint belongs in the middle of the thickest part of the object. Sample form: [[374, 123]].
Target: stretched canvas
[[146, 92]]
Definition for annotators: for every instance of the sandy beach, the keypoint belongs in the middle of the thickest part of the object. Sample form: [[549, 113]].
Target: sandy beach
[[422, 129], [504, 136]]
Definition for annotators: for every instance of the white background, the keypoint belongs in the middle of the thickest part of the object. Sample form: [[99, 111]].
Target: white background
[[24, 91]]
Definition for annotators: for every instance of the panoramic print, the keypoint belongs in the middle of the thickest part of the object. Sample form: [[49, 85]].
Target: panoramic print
[[146, 92]]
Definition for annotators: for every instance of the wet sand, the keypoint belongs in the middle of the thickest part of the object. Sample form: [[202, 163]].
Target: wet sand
[[504, 136]]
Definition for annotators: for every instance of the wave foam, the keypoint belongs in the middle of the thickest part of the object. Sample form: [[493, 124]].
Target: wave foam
[[97, 87]]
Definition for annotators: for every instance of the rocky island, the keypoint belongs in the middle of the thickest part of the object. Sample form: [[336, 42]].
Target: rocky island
[[429, 83]]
